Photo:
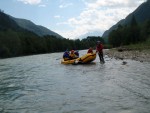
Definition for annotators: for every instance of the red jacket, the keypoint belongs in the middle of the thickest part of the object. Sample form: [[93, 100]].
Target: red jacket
[[99, 48]]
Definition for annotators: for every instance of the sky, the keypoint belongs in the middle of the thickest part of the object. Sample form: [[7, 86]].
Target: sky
[[71, 18]]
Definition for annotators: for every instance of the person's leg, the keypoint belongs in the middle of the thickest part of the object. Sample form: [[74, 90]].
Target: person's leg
[[101, 57]]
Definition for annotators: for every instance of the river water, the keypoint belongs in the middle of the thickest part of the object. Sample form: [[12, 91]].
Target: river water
[[40, 84]]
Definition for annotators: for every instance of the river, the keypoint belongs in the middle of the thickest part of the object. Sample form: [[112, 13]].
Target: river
[[40, 84]]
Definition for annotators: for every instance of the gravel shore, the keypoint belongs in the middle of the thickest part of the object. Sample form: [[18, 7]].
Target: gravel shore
[[138, 55]]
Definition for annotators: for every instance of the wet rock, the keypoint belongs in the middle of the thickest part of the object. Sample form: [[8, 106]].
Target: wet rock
[[120, 50], [120, 58], [141, 61], [124, 63]]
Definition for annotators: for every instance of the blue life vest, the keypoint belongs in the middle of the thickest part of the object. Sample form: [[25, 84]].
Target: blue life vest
[[66, 55]]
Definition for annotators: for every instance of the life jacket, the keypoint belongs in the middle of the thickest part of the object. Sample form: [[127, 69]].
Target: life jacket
[[72, 55], [66, 55], [99, 48]]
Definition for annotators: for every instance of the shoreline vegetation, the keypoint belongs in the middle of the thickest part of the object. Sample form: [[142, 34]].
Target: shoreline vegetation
[[132, 42]]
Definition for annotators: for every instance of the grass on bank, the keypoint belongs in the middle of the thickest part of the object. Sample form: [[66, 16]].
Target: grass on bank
[[142, 47], [139, 46]]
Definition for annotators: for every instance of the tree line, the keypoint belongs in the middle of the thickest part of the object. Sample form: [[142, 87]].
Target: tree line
[[14, 43], [130, 34]]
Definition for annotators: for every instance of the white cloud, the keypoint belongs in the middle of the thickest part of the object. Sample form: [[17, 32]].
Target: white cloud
[[57, 16], [42, 5], [113, 3], [65, 5], [32, 2], [99, 15]]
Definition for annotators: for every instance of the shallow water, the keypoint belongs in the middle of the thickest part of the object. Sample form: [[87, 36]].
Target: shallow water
[[40, 84]]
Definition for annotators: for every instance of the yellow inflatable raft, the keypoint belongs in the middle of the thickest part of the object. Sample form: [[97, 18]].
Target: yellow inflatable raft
[[87, 58]]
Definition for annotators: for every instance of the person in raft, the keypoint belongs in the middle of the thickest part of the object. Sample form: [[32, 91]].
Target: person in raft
[[76, 53], [90, 50], [99, 50], [66, 55], [72, 55]]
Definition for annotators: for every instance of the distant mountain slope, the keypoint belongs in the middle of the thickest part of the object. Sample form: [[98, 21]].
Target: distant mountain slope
[[37, 29], [92, 33], [7, 23], [141, 14]]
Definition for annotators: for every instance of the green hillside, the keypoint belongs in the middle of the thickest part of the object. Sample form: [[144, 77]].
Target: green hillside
[[130, 35], [16, 41], [37, 29], [141, 15]]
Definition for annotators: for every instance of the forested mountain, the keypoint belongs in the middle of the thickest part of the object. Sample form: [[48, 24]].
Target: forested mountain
[[141, 14], [92, 33], [131, 34], [17, 41], [37, 29], [7, 23]]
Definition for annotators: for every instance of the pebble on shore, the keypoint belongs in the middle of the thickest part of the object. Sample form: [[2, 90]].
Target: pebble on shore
[[138, 55]]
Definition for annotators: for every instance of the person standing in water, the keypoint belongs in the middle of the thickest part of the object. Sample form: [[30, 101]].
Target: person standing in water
[[99, 50]]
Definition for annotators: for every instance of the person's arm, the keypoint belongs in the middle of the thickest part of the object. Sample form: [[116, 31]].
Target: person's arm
[[97, 48]]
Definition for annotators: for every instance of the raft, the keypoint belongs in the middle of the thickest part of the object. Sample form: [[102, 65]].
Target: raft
[[87, 58]]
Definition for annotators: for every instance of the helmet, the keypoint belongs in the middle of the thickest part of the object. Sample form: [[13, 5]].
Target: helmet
[[66, 52]]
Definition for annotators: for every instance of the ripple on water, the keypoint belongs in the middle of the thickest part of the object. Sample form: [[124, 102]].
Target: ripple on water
[[40, 84]]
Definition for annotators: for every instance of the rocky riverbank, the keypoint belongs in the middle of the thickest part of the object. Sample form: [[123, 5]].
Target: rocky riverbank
[[123, 53]]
